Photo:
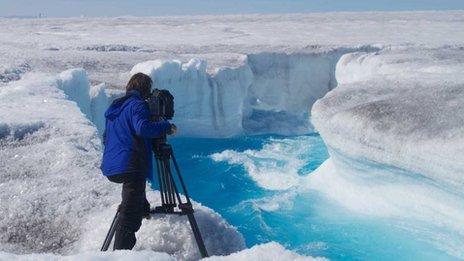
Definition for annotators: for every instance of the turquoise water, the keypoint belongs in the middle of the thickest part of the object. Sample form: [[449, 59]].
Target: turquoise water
[[303, 221]]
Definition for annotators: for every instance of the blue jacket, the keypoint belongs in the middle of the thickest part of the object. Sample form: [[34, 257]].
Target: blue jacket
[[128, 132]]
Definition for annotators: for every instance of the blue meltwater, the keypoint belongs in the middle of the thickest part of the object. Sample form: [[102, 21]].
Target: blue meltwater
[[259, 185]]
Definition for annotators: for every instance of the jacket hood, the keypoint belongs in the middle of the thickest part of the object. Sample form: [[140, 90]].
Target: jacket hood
[[119, 104]]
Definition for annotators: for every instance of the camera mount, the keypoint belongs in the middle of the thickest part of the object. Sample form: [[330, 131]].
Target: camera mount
[[170, 196]]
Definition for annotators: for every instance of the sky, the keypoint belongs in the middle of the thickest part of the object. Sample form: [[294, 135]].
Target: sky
[[91, 8]]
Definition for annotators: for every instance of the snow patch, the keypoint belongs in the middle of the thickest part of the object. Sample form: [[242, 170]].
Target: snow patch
[[269, 251], [169, 233], [111, 48], [13, 73]]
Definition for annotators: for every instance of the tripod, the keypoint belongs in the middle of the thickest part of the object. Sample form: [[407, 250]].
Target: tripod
[[170, 197]]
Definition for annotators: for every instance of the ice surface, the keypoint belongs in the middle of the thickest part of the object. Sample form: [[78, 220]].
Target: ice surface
[[291, 58], [168, 233], [409, 201], [399, 107], [394, 127], [103, 46], [269, 251], [54, 198]]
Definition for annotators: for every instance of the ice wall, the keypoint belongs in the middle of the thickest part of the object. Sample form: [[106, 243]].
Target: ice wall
[[284, 88], [206, 105], [91, 100], [267, 93], [394, 128], [399, 107], [263, 93]]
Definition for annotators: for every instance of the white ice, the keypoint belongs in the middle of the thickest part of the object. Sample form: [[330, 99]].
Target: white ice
[[394, 128], [399, 107], [277, 66], [268, 251]]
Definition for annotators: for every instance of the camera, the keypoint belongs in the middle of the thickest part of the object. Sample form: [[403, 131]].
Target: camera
[[161, 105]]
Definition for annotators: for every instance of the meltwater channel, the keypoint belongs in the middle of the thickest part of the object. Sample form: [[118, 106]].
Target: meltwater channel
[[255, 183]]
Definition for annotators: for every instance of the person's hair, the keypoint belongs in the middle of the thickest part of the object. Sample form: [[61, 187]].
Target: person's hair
[[141, 83]]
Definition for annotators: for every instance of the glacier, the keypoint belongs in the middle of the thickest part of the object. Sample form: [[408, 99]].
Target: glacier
[[394, 130], [384, 91]]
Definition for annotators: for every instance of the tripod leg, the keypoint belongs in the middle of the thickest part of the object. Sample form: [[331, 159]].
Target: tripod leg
[[159, 181], [111, 232], [184, 188], [197, 234]]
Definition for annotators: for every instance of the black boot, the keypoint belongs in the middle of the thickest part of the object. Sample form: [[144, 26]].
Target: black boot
[[124, 239]]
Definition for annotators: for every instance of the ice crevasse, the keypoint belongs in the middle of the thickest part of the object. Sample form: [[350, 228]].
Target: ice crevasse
[[265, 93], [262, 93], [51, 186], [54, 198]]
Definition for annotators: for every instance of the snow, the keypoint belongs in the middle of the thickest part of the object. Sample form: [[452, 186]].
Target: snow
[[99, 102], [105, 47], [168, 233], [269, 251], [394, 128], [257, 74], [122, 255], [399, 107]]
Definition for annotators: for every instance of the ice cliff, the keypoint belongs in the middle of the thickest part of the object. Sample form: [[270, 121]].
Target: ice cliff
[[399, 107], [394, 129], [265, 93]]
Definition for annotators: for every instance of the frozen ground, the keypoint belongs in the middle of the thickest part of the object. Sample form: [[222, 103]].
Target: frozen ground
[[106, 47], [276, 66], [391, 115], [269, 251]]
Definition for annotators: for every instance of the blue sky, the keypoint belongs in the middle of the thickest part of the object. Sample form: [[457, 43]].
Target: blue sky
[[66, 8]]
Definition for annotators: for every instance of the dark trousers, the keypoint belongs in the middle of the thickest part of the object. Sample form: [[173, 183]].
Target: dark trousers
[[134, 206]]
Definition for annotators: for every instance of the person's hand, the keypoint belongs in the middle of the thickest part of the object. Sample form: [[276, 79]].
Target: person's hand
[[173, 130]]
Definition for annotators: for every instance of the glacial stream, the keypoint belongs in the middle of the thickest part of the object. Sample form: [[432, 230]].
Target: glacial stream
[[257, 183]]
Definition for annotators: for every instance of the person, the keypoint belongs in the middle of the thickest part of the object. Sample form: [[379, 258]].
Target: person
[[127, 157]]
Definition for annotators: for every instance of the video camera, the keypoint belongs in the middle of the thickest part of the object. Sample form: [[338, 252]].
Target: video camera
[[161, 104]]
